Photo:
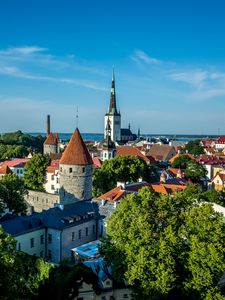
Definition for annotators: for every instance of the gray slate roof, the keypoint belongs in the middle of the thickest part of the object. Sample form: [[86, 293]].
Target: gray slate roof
[[57, 218]]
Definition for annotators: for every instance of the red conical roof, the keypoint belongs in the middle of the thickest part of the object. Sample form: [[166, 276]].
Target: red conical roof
[[76, 153], [50, 139]]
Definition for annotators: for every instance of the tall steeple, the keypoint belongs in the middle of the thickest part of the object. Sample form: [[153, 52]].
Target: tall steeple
[[112, 105], [113, 116]]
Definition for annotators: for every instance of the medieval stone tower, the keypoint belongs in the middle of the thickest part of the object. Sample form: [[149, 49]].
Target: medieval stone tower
[[75, 170], [51, 144], [113, 115]]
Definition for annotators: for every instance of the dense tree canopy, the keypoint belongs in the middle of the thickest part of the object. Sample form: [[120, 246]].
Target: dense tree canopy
[[12, 192], [21, 274], [194, 147], [18, 144], [181, 161], [195, 171], [35, 172], [167, 247], [121, 168]]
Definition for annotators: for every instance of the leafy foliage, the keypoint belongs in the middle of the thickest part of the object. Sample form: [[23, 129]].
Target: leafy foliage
[[195, 171], [121, 168], [64, 282], [18, 144], [167, 247], [21, 274], [35, 172], [12, 192], [194, 147], [181, 161]]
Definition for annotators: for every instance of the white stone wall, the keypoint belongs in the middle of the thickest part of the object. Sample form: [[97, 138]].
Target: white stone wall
[[25, 242], [52, 185], [54, 246], [68, 243], [75, 183], [48, 149], [115, 124]]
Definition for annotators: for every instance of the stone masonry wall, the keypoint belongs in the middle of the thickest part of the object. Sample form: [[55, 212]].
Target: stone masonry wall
[[75, 183], [41, 200]]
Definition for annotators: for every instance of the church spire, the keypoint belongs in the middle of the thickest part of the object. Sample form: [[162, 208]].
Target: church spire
[[112, 106]]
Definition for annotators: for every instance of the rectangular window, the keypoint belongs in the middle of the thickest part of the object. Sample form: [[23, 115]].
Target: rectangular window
[[32, 242], [42, 239], [57, 180], [19, 246], [86, 231], [52, 177], [49, 238], [70, 170], [41, 254], [49, 254], [72, 236], [79, 234], [52, 187]]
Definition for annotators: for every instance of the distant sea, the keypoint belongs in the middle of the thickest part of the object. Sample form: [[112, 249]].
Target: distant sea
[[99, 136]]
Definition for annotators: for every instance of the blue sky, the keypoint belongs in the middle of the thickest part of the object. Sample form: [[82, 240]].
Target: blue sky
[[169, 59]]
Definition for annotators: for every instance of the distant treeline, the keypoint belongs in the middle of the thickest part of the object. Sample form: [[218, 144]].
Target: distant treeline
[[18, 144]]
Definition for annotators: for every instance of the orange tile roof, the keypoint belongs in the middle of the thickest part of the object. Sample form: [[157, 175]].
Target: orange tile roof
[[76, 152], [51, 139], [129, 150], [4, 169], [118, 192], [51, 169]]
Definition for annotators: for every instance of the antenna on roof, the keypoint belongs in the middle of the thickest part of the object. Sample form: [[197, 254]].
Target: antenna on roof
[[77, 118]]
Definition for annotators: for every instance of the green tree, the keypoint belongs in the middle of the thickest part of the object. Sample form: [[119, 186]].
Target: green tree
[[121, 168], [194, 147], [195, 171], [12, 193], [181, 161], [64, 282], [35, 172], [167, 247], [21, 274]]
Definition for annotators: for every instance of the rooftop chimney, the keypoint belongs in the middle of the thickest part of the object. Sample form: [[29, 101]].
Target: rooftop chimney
[[48, 125]]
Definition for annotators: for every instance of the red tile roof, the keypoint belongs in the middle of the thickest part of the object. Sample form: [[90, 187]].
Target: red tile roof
[[132, 151], [160, 152], [221, 140], [51, 139], [76, 152], [18, 162], [97, 162]]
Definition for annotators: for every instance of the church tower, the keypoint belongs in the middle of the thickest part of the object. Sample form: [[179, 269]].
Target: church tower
[[113, 115], [75, 170], [109, 148]]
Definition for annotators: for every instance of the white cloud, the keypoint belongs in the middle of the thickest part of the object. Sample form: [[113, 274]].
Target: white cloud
[[26, 50], [141, 56], [16, 72], [195, 78]]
